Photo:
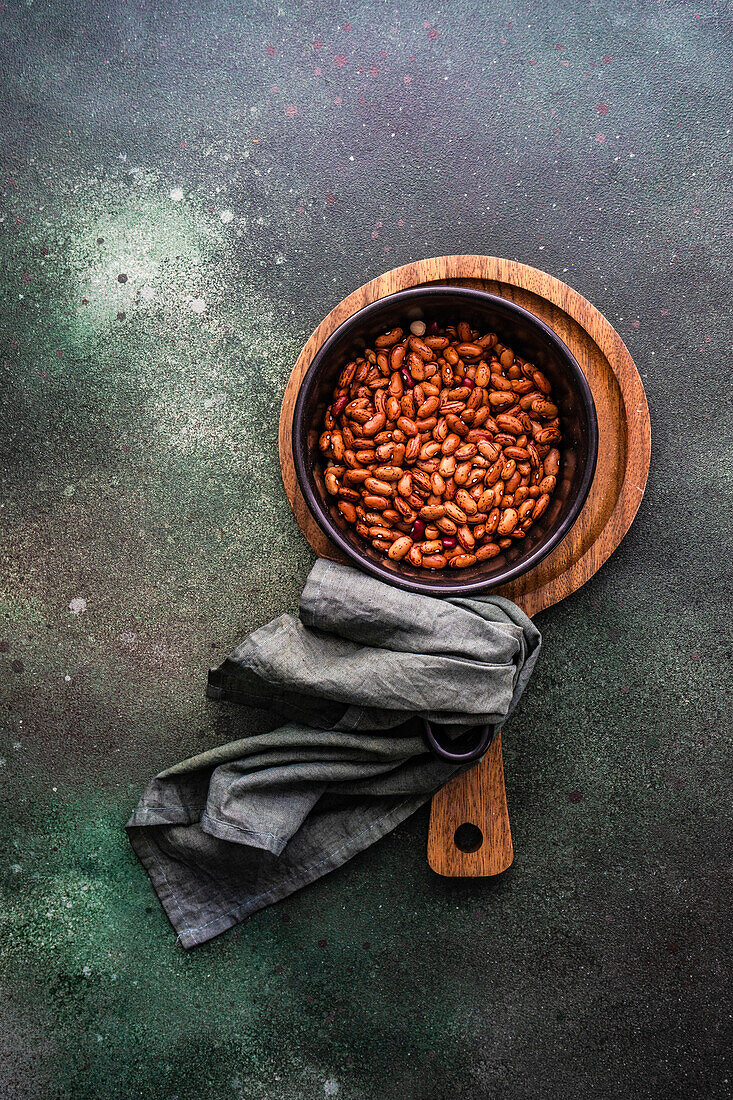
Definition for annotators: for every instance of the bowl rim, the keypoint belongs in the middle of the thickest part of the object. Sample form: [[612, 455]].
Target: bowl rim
[[317, 506]]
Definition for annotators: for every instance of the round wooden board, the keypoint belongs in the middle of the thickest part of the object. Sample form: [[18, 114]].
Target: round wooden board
[[624, 430]]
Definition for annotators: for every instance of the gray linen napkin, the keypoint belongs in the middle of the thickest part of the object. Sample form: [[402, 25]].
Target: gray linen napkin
[[241, 826]]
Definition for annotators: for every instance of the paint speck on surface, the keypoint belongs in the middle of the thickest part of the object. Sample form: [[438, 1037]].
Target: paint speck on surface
[[198, 305], [575, 797], [291, 110], [216, 402], [226, 216], [602, 108], [78, 605], [600, 138], [340, 60], [407, 79], [176, 194]]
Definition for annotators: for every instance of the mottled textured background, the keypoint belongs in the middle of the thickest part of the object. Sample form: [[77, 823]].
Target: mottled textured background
[[188, 188]]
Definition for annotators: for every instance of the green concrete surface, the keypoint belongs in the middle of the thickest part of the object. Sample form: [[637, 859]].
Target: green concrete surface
[[187, 190]]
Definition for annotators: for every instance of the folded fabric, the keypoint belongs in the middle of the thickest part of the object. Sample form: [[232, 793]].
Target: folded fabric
[[241, 826]]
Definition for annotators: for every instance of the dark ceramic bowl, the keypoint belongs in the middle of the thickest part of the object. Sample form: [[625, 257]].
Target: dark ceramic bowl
[[518, 329]]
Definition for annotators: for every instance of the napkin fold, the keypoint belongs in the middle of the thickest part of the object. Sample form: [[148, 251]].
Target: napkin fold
[[236, 828]]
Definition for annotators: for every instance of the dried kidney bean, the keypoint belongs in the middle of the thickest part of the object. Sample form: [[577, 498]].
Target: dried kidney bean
[[441, 446]]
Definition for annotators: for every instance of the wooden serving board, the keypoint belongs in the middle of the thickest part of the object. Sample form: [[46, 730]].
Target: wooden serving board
[[624, 448]]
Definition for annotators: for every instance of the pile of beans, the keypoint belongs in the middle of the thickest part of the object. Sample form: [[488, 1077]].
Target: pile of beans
[[441, 446]]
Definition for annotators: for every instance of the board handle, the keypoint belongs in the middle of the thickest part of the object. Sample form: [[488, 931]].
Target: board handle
[[469, 834]]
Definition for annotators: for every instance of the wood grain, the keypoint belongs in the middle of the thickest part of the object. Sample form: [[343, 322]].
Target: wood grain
[[482, 803], [624, 449]]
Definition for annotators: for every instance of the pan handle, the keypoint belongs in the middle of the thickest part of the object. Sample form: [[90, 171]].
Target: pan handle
[[485, 737]]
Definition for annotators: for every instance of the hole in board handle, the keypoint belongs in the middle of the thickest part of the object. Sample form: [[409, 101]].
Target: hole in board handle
[[468, 837]]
